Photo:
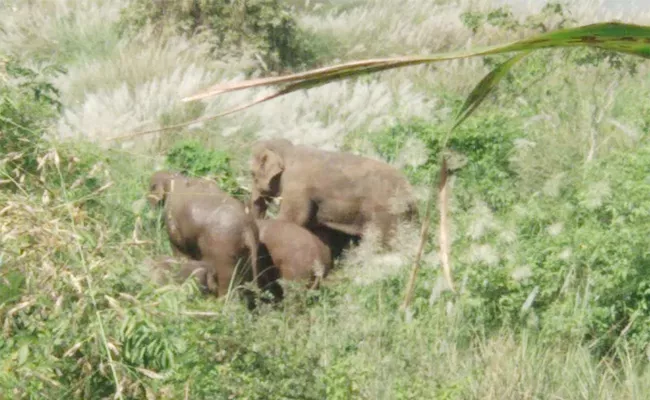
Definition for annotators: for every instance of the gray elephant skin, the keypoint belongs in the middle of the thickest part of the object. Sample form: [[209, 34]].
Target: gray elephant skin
[[293, 252], [206, 224], [337, 190]]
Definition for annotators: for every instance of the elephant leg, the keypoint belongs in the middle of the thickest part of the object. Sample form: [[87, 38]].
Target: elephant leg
[[211, 281], [176, 251], [218, 273], [238, 268], [297, 209], [315, 282], [228, 274], [386, 224], [224, 274]]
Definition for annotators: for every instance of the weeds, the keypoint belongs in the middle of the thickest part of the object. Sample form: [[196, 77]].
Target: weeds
[[550, 259]]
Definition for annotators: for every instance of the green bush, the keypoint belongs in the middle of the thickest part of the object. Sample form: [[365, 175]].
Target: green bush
[[192, 158], [28, 104], [577, 254], [483, 144], [554, 15], [584, 255], [265, 26]]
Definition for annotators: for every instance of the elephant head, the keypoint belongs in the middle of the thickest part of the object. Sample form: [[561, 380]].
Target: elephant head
[[160, 184], [267, 165]]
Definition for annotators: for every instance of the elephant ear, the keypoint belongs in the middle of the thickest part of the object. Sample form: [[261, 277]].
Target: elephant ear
[[172, 183], [271, 165]]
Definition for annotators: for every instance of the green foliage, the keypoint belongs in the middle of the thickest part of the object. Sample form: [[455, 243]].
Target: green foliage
[[554, 15], [482, 148], [192, 158], [553, 283], [584, 257], [266, 27], [576, 254], [28, 103]]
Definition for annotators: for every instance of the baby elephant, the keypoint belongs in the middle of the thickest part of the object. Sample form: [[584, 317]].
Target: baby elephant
[[298, 254], [165, 270], [206, 224]]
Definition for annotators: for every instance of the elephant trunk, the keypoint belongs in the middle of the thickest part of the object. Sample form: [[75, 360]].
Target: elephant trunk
[[258, 204]]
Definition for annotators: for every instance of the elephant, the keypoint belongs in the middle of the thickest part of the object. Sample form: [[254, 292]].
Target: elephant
[[337, 190], [336, 241], [206, 224], [166, 269], [295, 252]]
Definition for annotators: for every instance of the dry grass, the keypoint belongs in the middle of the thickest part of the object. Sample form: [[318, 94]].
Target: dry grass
[[116, 86], [119, 86]]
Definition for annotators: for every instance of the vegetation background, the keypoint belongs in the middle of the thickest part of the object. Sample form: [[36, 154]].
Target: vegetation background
[[550, 205]]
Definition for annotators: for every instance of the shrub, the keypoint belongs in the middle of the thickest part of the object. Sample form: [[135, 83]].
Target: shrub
[[554, 15], [192, 158], [264, 26], [28, 103], [571, 259], [579, 265], [482, 147]]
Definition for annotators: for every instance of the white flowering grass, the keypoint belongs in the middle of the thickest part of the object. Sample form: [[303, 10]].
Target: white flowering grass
[[116, 86], [61, 28]]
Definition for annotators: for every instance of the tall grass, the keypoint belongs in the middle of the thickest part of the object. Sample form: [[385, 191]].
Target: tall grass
[[81, 318]]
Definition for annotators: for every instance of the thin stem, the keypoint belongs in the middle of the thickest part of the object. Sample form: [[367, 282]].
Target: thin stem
[[445, 247], [408, 296], [102, 331]]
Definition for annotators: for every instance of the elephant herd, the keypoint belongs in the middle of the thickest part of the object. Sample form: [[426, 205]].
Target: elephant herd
[[328, 199]]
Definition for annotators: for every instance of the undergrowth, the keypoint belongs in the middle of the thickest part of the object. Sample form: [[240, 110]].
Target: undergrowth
[[265, 27], [550, 220]]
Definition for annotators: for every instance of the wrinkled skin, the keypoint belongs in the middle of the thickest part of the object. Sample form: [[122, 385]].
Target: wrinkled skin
[[165, 270], [206, 224], [298, 254], [338, 190]]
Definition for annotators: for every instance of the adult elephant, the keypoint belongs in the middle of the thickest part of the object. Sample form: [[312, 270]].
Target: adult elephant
[[337, 190], [206, 224]]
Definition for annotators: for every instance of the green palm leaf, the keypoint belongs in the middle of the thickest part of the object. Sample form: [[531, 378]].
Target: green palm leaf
[[484, 87], [613, 36]]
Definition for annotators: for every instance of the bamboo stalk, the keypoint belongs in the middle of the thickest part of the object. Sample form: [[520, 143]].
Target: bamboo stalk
[[443, 188], [444, 243]]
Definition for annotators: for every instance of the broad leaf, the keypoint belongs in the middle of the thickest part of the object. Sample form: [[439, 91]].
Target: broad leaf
[[485, 86]]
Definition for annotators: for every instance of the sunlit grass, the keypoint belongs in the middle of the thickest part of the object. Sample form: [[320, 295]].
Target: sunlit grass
[[61, 252]]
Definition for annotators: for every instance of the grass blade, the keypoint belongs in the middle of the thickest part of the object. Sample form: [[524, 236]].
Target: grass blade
[[614, 36], [485, 86]]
